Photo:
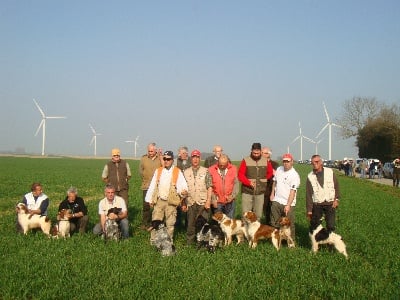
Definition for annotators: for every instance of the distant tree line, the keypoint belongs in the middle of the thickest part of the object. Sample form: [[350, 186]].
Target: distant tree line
[[375, 125]]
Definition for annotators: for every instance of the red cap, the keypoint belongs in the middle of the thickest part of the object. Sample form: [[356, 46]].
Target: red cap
[[287, 156], [195, 153]]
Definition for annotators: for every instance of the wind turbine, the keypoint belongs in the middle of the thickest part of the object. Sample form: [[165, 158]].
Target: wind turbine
[[43, 124], [301, 137], [135, 144], [329, 125], [94, 139]]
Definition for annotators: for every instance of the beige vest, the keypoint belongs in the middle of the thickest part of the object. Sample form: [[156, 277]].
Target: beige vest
[[326, 193], [197, 192]]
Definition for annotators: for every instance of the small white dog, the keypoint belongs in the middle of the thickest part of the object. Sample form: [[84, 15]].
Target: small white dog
[[28, 221], [64, 225], [322, 236]]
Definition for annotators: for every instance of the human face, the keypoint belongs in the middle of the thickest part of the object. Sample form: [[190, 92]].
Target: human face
[[195, 161], [110, 194], [37, 191], [115, 158], [217, 151], [287, 164], [266, 153], [183, 154], [151, 151], [223, 164], [316, 163], [71, 197], [168, 160], [256, 154]]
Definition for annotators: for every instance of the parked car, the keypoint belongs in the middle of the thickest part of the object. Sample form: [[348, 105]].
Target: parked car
[[387, 170]]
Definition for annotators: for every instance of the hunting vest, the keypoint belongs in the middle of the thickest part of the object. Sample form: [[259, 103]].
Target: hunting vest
[[223, 185], [326, 193], [118, 174], [32, 204], [197, 186], [256, 170]]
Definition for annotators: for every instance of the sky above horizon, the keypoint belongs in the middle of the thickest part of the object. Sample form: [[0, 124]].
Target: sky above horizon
[[193, 73]]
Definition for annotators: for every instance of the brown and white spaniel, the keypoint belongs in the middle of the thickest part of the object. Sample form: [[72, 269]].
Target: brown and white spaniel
[[64, 224], [285, 233], [29, 221], [257, 231], [230, 227]]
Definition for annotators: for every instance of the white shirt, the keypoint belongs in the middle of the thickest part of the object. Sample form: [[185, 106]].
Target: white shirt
[[285, 181]]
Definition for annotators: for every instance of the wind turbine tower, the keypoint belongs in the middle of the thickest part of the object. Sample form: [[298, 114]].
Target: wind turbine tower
[[136, 144], [94, 139], [328, 125], [301, 136], [43, 125]]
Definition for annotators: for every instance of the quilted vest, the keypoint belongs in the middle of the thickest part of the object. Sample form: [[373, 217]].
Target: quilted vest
[[117, 176], [256, 170], [223, 187]]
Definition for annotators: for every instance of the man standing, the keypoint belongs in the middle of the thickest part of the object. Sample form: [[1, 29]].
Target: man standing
[[75, 204], [225, 186], [396, 172], [266, 152], [213, 159], [322, 195], [111, 200], [254, 173], [283, 195], [148, 164], [117, 173], [163, 180], [199, 194]]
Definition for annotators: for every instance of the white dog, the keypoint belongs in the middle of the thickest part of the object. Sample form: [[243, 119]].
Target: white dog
[[28, 221], [230, 227], [322, 236]]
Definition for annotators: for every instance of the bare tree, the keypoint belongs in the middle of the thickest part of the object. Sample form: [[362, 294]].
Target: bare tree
[[356, 114]]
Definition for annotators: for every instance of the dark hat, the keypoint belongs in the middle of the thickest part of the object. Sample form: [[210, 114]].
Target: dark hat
[[256, 146], [169, 153]]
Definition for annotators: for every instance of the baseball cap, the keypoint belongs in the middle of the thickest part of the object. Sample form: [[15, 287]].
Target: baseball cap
[[287, 156], [169, 153], [195, 153], [115, 151]]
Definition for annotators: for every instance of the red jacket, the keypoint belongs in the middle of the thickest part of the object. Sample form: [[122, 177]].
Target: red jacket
[[223, 187]]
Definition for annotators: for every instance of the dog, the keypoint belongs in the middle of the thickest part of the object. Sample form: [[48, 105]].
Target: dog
[[321, 235], [230, 227], [208, 235], [285, 233], [257, 231], [111, 228], [64, 225], [29, 221], [161, 239]]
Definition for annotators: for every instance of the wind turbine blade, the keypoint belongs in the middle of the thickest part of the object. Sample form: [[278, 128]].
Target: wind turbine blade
[[137, 138], [92, 140], [40, 110], [336, 125], [295, 139], [40, 126], [308, 139], [323, 128], [92, 129], [326, 112], [56, 117]]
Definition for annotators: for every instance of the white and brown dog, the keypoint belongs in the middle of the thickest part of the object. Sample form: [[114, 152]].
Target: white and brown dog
[[321, 236], [285, 233], [257, 231], [230, 227], [29, 221], [64, 225]]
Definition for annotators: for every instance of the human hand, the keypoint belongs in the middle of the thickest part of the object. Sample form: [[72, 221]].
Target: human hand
[[184, 193], [309, 216]]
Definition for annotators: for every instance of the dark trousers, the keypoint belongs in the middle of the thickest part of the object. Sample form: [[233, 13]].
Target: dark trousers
[[267, 203], [79, 224], [146, 211], [320, 210], [123, 194], [396, 179]]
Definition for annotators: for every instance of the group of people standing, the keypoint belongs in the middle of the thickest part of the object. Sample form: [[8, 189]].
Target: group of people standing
[[266, 189]]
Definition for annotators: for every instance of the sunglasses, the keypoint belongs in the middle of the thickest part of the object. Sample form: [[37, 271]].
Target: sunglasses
[[167, 158]]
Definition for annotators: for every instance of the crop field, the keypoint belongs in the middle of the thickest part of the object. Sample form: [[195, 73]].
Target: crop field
[[84, 267]]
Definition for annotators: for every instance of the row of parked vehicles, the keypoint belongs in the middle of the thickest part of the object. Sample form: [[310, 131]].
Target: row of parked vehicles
[[387, 167]]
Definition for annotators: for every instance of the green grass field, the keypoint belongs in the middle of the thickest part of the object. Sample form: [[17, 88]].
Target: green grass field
[[84, 267]]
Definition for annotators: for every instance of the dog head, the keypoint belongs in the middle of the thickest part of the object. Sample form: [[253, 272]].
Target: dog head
[[22, 209], [284, 221], [114, 210], [156, 225], [200, 222], [64, 214], [250, 217], [219, 216]]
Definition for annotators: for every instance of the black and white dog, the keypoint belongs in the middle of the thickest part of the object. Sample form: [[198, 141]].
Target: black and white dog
[[208, 235], [321, 235], [111, 229], [161, 239]]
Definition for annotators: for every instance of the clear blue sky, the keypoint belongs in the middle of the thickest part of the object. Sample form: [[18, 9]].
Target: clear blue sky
[[194, 73]]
